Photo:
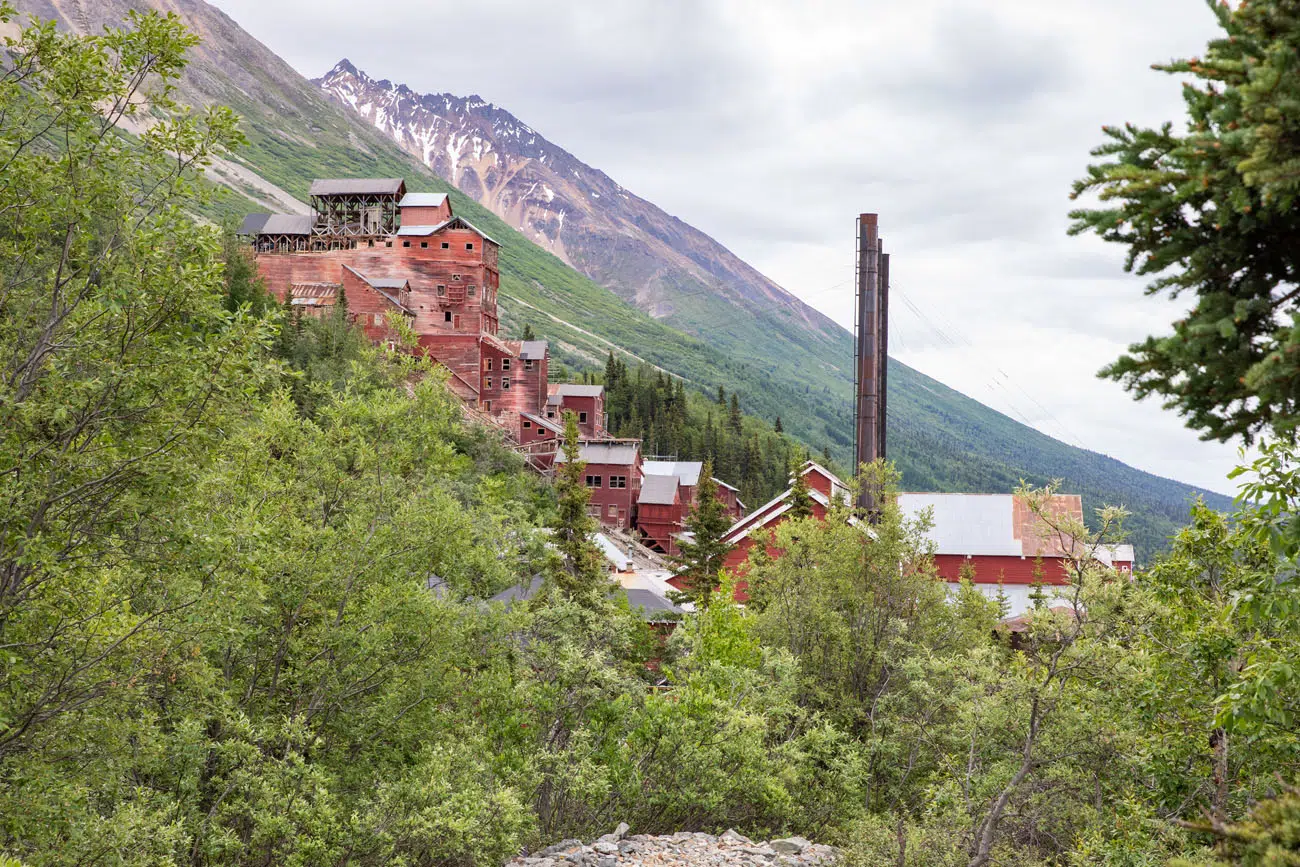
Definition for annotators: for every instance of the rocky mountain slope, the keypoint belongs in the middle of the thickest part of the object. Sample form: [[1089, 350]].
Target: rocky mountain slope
[[942, 440], [575, 211]]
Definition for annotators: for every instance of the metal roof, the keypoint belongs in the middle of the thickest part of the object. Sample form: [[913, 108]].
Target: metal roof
[[687, 471], [313, 290], [534, 349], [619, 560], [967, 523], [386, 282], [652, 605], [422, 200], [253, 224], [357, 187], [547, 423], [520, 591], [658, 490], [276, 224], [573, 389], [421, 231], [620, 454]]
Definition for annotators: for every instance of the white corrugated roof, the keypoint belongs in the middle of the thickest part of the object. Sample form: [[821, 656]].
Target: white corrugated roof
[[577, 389], [620, 454], [687, 471], [421, 231], [422, 200], [620, 561], [968, 523]]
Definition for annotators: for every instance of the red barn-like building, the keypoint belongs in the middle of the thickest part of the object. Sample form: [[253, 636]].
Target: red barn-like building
[[1009, 547]]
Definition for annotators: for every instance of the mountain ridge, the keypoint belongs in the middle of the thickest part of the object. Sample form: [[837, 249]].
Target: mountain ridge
[[941, 439]]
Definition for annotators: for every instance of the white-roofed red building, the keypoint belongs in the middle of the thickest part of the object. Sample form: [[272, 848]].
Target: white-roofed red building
[[1009, 547]]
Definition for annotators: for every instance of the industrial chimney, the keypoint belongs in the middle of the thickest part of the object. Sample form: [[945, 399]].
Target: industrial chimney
[[872, 350]]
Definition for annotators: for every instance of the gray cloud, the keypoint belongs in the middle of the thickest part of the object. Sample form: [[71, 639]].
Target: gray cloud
[[771, 125]]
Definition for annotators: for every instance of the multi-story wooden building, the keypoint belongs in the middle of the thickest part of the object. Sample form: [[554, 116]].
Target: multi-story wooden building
[[613, 477], [393, 253]]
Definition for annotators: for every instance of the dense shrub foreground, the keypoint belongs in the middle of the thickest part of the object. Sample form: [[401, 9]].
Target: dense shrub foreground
[[218, 527]]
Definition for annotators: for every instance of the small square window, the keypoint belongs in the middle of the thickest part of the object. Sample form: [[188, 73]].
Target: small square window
[[446, 316], [455, 277], [424, 245], [505, 384], [582, 418], [527, 424], [593, 481], [378, 319], [613, 511], [487, 383], [528, 364], [372, 242], [471, 290], [505, 364], [406, 243], [487, 364], [388, 243], [469, 246], [442, 289], [446, 245], [487, 404]]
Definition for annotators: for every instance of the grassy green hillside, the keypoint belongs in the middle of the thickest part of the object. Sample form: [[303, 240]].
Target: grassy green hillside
[[941, 439]]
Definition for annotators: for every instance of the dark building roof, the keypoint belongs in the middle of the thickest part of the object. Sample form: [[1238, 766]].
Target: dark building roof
[[253, 224], [520, 592], [652, 606], [357, 187], [658, 490], [534, 349], [276, 224]]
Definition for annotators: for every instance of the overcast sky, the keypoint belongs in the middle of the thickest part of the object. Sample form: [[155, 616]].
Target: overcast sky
[[770, 125]]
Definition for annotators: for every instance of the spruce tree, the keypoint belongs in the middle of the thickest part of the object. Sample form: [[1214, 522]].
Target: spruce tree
[[777, 426], [734, 417], [700, 561], [579, 574], [801, 501], [528, 332], [1210, 214], [722, 396]]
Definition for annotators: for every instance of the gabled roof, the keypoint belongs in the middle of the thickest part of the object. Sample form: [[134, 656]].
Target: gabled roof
[[619, 454], [253, 224], [276, 224], [575, 389], [687, 471], [419, 231], [619, 560], [423, 200], [993, 524], [357, 187], [720, 483], [658, 490], [533, 349], [547, 423], [453, 223], [385, 286]]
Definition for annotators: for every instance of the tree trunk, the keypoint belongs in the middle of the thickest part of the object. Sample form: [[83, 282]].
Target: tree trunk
[[1219, 744]]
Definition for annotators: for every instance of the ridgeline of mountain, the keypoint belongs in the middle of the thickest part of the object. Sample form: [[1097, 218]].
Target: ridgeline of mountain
[[782, 359], [577, 212]]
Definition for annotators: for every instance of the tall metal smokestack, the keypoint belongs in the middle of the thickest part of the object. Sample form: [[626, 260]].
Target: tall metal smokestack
[[872, 349]]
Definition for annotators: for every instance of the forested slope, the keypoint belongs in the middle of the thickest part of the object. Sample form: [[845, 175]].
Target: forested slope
[[941, 439]]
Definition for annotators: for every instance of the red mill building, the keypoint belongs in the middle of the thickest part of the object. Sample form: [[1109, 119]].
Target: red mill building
[[406, 254]]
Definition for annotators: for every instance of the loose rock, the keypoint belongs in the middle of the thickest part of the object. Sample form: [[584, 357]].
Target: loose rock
[[683, 849]]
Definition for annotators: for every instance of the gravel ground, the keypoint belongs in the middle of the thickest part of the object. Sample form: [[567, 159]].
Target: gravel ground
[[620, 849]]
